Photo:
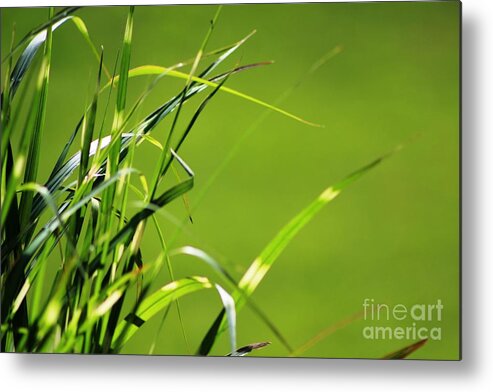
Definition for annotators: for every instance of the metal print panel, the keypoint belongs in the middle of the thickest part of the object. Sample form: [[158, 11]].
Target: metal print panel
[[273, 180]]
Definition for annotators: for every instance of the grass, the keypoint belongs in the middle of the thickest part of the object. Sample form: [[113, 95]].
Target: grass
[[102, 294]]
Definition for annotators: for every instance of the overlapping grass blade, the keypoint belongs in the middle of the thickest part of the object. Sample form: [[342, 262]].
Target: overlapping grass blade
[[59, 16], [26, 164], [113, 161], [62, 172], [153, 304], [36, 128], [156, 70], [88, 125], [21, 271], [217, 267], [26, 58]]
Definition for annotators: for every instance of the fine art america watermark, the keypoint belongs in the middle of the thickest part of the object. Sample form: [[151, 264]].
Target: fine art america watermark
[[401, 322]]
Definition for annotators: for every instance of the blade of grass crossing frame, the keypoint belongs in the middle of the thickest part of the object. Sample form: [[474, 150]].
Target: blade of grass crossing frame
[[116, 130], [262, 264]]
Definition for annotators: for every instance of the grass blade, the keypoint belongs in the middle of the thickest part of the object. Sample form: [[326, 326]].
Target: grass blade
[[261, 265], [153, 304], [156, 70], [59, 16]]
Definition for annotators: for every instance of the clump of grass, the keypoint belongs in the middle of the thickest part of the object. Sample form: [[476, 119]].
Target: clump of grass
[[101, 294]]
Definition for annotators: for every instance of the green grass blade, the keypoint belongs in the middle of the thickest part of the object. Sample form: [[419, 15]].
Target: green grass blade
[[153, 304], [34, 32], [26, 58], [116, 130], [88, 125], [217, 267], [262, 264], [254, 126], [156, 70], [27, 160]]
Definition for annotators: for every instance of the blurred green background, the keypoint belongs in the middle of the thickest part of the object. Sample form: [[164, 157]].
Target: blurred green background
[[393, 236]]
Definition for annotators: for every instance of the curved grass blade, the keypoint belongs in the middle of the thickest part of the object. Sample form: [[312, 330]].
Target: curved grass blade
[[253, 127], [27, 56], [35, 244], [153, 304], [125, 234], [209, 260], [262, 264], [60, 15], [156, 70]]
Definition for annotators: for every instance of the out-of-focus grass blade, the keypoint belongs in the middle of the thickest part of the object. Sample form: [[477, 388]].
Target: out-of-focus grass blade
[[255, 125], [406, 351], [153, 304], [245, 350], [324, 333], [261, 265]]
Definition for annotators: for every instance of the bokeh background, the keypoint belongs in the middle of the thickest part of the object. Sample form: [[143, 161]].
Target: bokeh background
[[393, 236]]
